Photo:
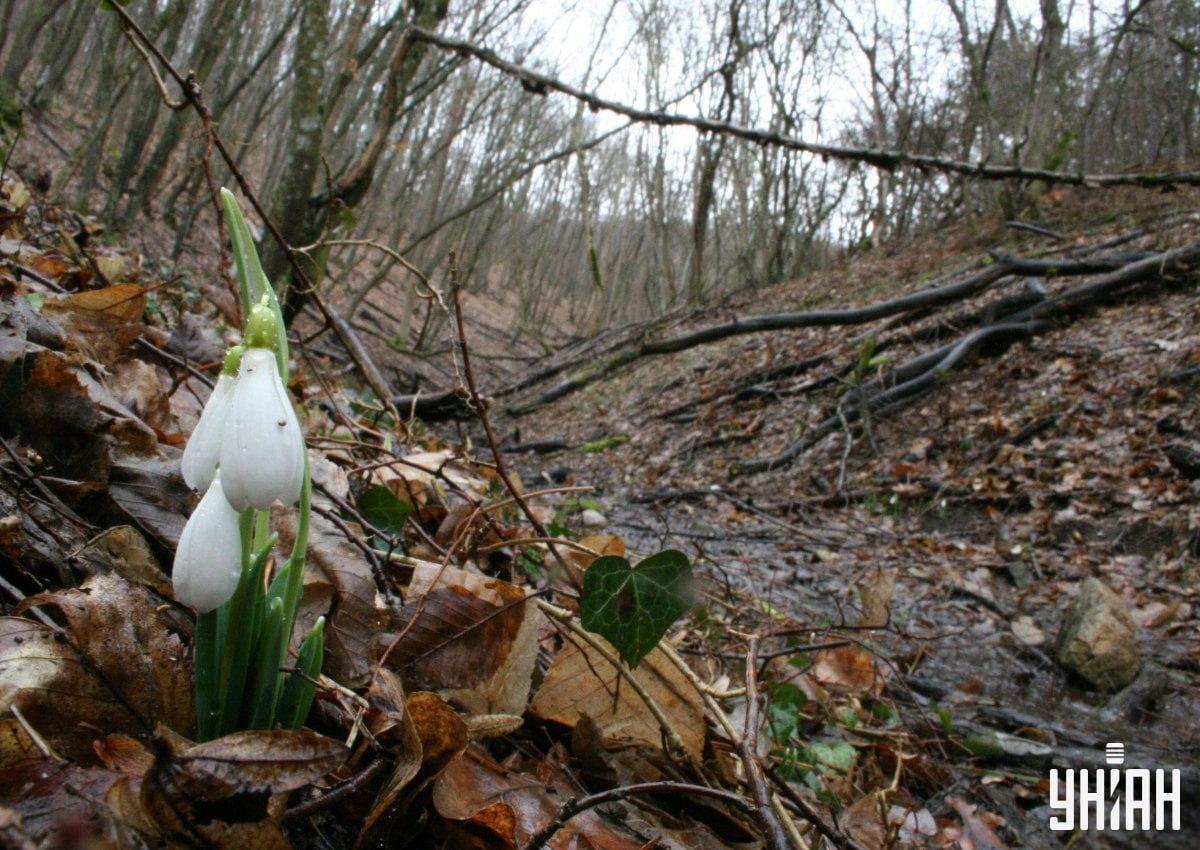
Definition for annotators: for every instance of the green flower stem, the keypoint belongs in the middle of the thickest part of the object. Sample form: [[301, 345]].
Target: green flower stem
[[300, 688], [240, 634], [206, 659], [264, 685]]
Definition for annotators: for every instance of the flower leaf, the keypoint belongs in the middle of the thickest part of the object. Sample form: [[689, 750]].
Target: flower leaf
[[632, 607]]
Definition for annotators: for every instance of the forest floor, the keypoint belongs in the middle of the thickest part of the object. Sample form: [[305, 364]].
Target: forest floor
[[908, 580], [978, 508]]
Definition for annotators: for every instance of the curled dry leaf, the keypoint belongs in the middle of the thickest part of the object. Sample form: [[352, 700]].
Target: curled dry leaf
[[431, 736], [116, 667], [492, 806], [582, 683], [391, 724], [847, 670], [474, 639]]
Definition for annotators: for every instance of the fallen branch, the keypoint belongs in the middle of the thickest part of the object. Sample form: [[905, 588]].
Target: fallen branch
[[924, 299], [577, 805], [927, 370]]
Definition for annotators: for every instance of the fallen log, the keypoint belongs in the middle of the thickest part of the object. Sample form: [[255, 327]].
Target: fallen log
[[927, 370], [924, 299], [444, 406]]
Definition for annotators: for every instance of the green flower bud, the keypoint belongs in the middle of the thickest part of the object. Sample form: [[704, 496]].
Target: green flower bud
[[262, 329], [233, 361]]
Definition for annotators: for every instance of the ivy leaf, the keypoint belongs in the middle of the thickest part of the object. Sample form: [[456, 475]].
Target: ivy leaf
[[632, 607], [383, 510]]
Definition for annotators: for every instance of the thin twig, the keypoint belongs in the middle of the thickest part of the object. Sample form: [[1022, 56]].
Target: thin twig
[[581, 804], [481, 411], [350, 786], [768, 819]]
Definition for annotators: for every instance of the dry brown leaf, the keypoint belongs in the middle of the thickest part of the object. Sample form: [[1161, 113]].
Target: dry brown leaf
[[474, 639], [875, 594], [258, 760], [141, 387], [119, 668], [150, 491], [581, 682], [96, 808], [69, 417], [501, 808], [101, 323], [847, 670], [976, 833], [391, 723], [125, 551]]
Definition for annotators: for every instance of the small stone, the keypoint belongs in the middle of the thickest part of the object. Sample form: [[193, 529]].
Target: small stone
[[593, 518], [1098, 638]]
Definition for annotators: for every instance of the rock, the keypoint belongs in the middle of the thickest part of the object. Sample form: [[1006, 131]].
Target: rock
[[593, 518], [1098, 638]]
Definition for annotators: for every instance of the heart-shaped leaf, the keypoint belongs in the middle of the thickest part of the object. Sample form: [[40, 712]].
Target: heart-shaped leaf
[[383, 510], [632, 607]]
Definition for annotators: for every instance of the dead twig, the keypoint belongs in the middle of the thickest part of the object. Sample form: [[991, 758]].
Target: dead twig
[[768, 817], [581, 804], [480, 406]]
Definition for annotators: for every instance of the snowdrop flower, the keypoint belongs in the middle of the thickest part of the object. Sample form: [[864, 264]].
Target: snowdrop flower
[[203, 449], [208, 561], [262, 453]]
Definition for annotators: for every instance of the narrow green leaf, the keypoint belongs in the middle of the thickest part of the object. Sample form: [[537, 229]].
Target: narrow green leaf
[[265, 675], [632, 607], [206, 662], [299, 689]]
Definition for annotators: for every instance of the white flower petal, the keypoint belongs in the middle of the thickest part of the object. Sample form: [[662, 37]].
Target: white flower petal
[[208, 561], [203, 449], [262, 454]]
